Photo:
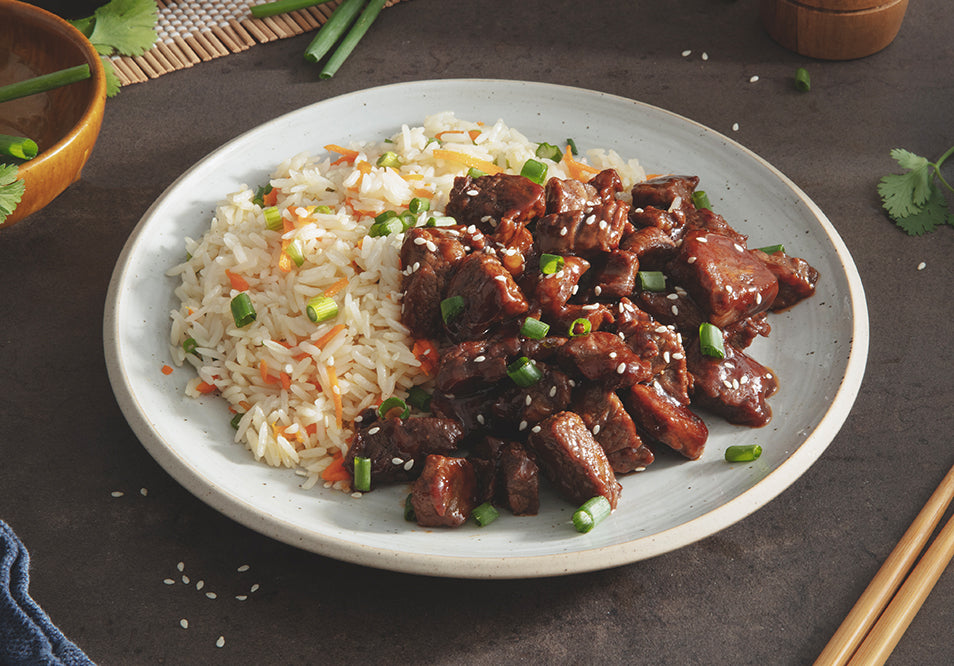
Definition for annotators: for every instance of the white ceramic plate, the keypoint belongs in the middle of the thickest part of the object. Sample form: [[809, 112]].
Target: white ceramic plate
[[818, 349]]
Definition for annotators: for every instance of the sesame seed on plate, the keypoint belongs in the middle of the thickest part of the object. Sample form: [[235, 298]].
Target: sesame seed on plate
[[753, 78], [691, 260], [243, 568], [522, 426], [596, 429], [181, 566], [220, 641], [117, 493], [686, 53], [184, 623], [735, 127], [705, 56], [211, 595], [409, 464], [169, 581], [922, 266]]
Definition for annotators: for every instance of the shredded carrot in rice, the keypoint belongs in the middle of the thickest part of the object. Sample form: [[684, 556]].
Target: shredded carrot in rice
[[468, 161], [285, 379], [336, 470], [578, 170], [335, 394], [326, 338], [348, 156], [271, 198], [336, 287], [205, 387], [167, 370], [238, 282]]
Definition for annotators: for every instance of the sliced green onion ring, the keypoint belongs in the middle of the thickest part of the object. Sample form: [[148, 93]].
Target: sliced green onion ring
[[550, 263], [385, 216], [485, 514], [408, 220], [572, 144], [419, 398], [441, 221], [583, 323], [362, 474], [273, 218], [324, 210], [535, 171], [234, 422], [418, 205], [534, 329], [389, 159], [409, 514], [772, 249], [592, 512], [700, 200], [524, 372], [651, 280], [391, 404], [391, 225], [294, 252], [189, 345], [711, 342], [802, 79], [321, 308], [549, 151], [243, 312], [743, 453], [451, 307], [475, 173]]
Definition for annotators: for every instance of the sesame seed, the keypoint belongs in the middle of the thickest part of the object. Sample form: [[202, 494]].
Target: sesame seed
[[143, 492], [922, 266], [420, 240], [686, 53], [597, 290], [691, 260], [675, 310], [480, 359], [184, 623], [735, 127], [758, 298], [185, 579], [356, 495], [408, 465], [735, 384], [254, 587], [472, 193], [117, 493], [744, 379], [374, 431], [596, 429], [575, 289], [621, 368], [666, 356], [522, 426], [528, 400], [211, 595], [753, 78], [612, 354], [181, 566], [220, 642], [678, 356], [603, 225], [661, 329], [705, 56], [553, 391], [397, 461], [480, 419], [563, 231], [591, 219], [590, 306], [640, 469], [241, 597], [727, 383], [738, 247], [672, 297], [431, 246], [169, 581], [243, 568], [486, 218], [702, 239], [200, 585], [535, 428]]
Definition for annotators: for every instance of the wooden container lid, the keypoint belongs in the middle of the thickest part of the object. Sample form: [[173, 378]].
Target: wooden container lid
[[833, 29]]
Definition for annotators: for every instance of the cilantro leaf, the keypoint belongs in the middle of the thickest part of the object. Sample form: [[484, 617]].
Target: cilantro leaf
[[112, 78], [904, 193], [927, 217], [127, 27], [11, 190]]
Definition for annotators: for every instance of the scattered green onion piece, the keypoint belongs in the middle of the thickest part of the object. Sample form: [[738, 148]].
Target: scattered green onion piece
[[419, 398], [550, 263], [592, 512], [351, 40], [260, 193], [362, 474], [324, 210], [475, 173], [535, 171], [19, 147], [391, 404], [273, 218], [243, 312], [549, 151], [583, 323], [572, 144], [282, 7], [772, 249], [44, 82], [418, 205], [385, 216], [441, 221], [534, 328], [328, 35], [392, 225], [710, 340], [651, 280], [451, 307], [802, 80], [235, 420], [389, 159], [700, 200], [485, 514], [408, 220], [524, 372], [321, 308], [409, 510], [743, 453], [294, 252], [189, 346]]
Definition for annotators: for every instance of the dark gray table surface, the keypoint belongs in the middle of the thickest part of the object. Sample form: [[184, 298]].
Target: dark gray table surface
[[770, 589]]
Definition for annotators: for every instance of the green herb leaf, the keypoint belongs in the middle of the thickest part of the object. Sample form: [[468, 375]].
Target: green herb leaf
[[928, 217], [121, 26], [912, 199], [112, 78], [11, 190]]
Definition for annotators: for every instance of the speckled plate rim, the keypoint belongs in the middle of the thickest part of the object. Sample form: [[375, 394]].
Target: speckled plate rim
[[147, 402]]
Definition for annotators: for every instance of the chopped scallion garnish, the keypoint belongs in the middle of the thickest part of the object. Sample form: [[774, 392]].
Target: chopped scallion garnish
[[475, 173], [485, 514], [362, 474], [651, 280], [802, 80], [321, 308], [549, 151], [592, 512], [700, 200], [324, 210], [189, 346], [534, 328], [235, 420], [572, 144], [389, 159], [711, 342], [391, 404], [451, 307], [584, 326], [391, 225], [535, 171], [550, 263], [418, 205], [273, 218], [409, 509], [441, 221], [772, 249], [243, 312], [524, 372], [385, 216], [419, 398], [743, 453], [408, 219], [294, 252]]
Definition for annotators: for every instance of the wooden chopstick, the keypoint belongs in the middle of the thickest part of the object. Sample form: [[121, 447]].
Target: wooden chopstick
[[888, 579]]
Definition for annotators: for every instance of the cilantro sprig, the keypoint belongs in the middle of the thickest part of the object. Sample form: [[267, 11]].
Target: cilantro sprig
[[11, 190], [913, 199]]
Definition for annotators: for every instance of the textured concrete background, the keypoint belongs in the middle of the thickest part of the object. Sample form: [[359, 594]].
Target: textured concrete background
[[768, 590]]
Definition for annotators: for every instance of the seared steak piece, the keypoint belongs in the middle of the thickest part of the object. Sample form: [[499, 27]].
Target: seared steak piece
[[572, 460], [796, 278], [428, 255], [473, 365], [490, 296], [661, 192], [614, 275], [551, 291], [583, 232], [497, 205], [563, 196], [437, 247], [523, 407], [607, 183], [651, 245], [397, 448], [664, 419], [741, 333], [518, 481], [705, 220], [606, 359], [735, 386], [722, 277], [603, 413], [445, 493]]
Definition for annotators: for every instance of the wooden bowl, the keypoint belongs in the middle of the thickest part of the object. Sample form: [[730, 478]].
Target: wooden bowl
[[833, 29], [64, 122]]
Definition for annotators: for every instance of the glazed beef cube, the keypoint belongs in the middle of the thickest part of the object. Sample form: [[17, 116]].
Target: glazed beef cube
[[572, 460], [397, 448], [661, 192], [673, 308], [741, 334], [615, 275], [664, 419], [474, 364], [585, 232], [564, 196], [434, 247], [603, 357], [514, 254], [722, 277], [598, 314], [473, 411], [428, 256], [603, 413], [552, 290], [445, 493], [497, 204], [421, 304], [523, 406], [490, 297], [651, 245], [670, 222], [735, 387], [607, 183], [796, 278], [518, 481], [704, 219]]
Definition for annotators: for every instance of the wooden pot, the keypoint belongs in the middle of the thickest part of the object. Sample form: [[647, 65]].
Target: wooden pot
[[833, 29]]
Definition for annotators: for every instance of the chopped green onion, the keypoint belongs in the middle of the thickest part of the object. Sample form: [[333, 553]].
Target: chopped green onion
[[362, 474], [418, 205], [651, 280], [524, 372], [550, 263], [321, 308], [235, 420], [592, 512], [535, 171], [441, 221], [19, 147], [391, 404], [485, 514], [282, 7], [710, 340], [351, 40], [389, 159], [700, 200], [772, 249], [260, 193], [243, 312], [408, 220], [328, 35], [419, 398], [294, 252], [572, 144], [802, 80], [189, 346], [549, 151], [475, 173], [451, 307], [273, 218], [324, 210], [392, 225], [583, 323], [409, 509], [385, 216], [743, 453], [534, 328], [44, 82]]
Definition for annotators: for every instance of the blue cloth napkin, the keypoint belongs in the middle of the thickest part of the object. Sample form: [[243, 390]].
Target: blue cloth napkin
[[27, 635]]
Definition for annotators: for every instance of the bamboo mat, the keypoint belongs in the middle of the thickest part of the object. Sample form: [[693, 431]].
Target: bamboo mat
[[192, 32]]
